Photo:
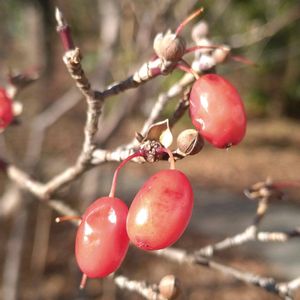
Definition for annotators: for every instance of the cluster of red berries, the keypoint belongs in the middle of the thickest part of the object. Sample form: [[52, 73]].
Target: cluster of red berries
[[162, 208], [6, 110], [157, 217], [216, 108]]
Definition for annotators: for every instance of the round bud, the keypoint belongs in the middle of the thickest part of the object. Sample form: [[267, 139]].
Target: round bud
[[190, 142], [169, 287], [169, 47], [199, 31]]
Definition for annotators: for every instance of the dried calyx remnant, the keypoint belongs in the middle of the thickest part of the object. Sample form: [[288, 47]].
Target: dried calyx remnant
[[159, 135]]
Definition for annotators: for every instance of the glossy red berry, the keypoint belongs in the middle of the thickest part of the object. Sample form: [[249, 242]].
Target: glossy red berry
[[6, 112], [217, 111], [101, 240], [160, 211]]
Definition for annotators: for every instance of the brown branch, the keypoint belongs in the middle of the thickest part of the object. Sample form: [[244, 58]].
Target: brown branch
[[249, 234], [180, 109], [287, 289], [150, 292], [146, 72], [263, 192], [24, 181], [284, 290], [72, 59]]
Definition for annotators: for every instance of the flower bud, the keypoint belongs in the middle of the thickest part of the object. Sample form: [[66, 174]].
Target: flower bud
[[169, 287], [169, 47], [189, 142]]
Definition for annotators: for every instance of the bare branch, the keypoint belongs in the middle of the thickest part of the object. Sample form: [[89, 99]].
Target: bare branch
[[146, 72], [25, 181], [150, 292], [267, 283], [249, 234]]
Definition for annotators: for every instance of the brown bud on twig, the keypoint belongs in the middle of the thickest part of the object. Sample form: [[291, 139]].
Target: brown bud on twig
[[169, 47], [169, 287], [189, 142]]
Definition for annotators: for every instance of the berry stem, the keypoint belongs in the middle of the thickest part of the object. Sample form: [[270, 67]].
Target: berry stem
[[188, 19], [171, 156], [184, 66], [83, 281], [172, 160], [114, 181]]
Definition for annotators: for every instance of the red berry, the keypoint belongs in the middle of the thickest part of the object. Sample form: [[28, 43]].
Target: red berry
[[102, 241], [160, 211], [217, 111], [6, 112]]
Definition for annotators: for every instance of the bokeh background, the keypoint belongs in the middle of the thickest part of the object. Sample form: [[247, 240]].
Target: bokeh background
[[36, 255]]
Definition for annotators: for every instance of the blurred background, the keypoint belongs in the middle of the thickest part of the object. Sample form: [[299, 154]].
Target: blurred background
[[36, 255]]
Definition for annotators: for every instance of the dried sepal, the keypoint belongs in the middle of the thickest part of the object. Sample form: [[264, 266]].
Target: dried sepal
[[139, 137], [160, 132], [169, 46], [189, 142], [169, 287]]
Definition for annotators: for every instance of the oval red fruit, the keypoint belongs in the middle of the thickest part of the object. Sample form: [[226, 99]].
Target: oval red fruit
[[6, 112], [217, 111], [160, 211], [102, 240]]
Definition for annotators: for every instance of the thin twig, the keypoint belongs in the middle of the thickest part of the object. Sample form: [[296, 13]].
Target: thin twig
[[249, 234], [148, 291], [269, 284]]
